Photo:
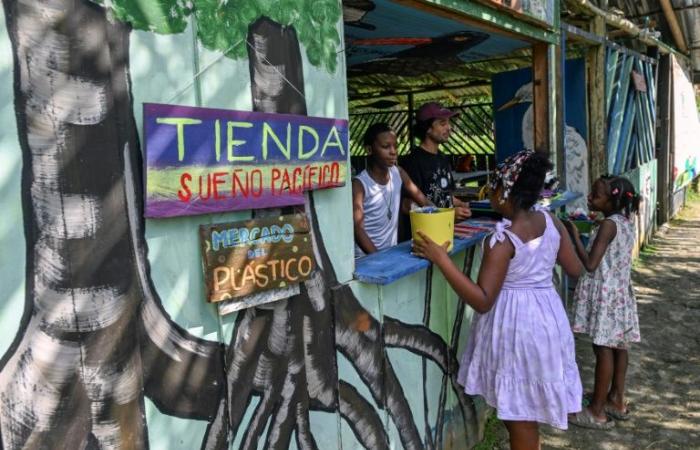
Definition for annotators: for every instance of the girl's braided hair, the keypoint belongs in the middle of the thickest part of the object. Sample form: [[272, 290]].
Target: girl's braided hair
[[530, 181], [622, 194]]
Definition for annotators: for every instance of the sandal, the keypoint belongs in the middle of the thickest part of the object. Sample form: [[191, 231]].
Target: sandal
[[616, 414], [585, 419]]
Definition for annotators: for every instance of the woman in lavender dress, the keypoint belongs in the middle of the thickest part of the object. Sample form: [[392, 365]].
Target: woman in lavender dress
[[520, 355]]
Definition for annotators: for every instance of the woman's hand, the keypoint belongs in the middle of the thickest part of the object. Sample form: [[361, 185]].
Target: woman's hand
[[429, 249]]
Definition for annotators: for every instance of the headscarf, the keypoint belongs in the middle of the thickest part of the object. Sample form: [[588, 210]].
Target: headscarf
[[507, 172]]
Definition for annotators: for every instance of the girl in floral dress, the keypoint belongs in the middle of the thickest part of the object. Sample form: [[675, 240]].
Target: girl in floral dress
[[520, 354], [604, 303]]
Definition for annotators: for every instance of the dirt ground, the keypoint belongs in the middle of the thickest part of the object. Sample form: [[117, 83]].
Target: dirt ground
[[663, 379]]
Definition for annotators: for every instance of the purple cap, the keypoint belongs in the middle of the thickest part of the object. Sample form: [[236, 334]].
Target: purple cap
[[433, 110]]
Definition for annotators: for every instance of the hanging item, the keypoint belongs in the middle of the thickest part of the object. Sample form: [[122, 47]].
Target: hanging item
[[203, 160], [242, 258]]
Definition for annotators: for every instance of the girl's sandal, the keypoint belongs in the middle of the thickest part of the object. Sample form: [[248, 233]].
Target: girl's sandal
[[616, 414], [585, 419]]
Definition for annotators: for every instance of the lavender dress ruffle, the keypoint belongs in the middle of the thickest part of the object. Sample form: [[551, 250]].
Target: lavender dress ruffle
[[520, 355]]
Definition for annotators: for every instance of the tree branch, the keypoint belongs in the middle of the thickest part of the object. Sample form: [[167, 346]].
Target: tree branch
[[362, 418], [417, 339], [305, 440], [358, 337]]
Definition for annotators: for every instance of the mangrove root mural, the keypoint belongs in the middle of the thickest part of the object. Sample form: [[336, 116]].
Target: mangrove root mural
[[94, 338]]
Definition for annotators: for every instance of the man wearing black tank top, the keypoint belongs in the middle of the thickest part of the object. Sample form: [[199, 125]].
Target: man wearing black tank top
[[429, 169]]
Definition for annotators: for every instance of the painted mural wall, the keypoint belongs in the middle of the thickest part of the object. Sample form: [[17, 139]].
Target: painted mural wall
[[514, 123], [644, 180], [686, 126], [106, 339]]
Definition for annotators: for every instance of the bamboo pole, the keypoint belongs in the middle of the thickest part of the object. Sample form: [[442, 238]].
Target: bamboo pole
[[673, 24]]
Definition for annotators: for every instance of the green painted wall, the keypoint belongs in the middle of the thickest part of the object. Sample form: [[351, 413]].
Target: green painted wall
[[644, 180]]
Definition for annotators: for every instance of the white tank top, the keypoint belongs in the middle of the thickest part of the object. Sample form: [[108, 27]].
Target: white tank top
[[381, 209]]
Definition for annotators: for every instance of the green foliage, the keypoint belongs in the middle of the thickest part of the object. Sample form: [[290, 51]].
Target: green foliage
[[222, 25], [158, 16], [491, 434]]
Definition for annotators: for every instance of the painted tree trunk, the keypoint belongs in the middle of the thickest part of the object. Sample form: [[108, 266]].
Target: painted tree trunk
[[276, 69], [93, 337]]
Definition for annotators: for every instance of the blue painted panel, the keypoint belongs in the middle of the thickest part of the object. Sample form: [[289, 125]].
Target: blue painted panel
[[619, 103], [376, 33], [391, 264], [509, 122], [610, 71], [625, 132]]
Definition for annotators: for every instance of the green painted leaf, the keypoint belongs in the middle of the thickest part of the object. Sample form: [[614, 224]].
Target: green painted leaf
[[330, 57], [220, 28], [222, 25], [315, 53], [158, 16]]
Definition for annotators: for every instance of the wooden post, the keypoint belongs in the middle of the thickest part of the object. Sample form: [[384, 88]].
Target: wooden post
[[664, 178], [597, 129], [540, 100], [557, 100], [411, 106]]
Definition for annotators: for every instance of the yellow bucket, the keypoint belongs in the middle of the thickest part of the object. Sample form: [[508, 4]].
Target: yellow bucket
[[438, 226]]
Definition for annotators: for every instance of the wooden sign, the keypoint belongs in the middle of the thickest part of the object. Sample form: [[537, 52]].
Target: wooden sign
[[640, 84], [242, 258], [203, 160]]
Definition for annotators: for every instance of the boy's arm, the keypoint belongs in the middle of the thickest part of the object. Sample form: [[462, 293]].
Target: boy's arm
[[358, 217]]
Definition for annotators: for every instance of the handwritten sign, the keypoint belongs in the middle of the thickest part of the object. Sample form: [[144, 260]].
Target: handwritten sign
[[242, 258], [202, 160]]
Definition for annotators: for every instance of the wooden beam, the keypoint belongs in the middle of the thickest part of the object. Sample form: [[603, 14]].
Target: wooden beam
[[486, 18], [664, 169], [595, 63], [540, 100], [558, 103], [672, 20]]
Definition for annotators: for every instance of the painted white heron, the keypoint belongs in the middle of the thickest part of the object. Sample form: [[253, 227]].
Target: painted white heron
[[576, 151]]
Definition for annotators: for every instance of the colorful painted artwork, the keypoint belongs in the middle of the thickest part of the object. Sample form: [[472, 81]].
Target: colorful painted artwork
[[100, 353], [686, 127], [514, 123], [203, 160], [242, 258]]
